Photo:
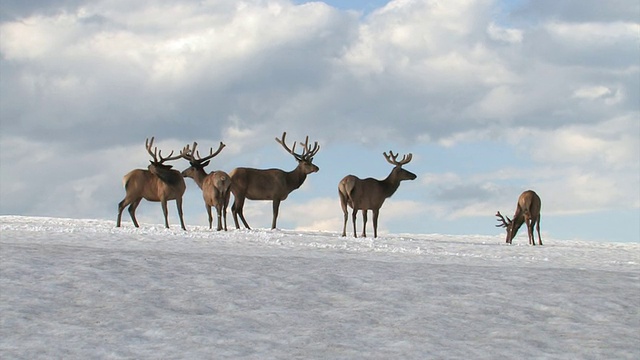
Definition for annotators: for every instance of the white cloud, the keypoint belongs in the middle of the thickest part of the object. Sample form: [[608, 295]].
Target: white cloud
[[595, 34], [610, 145], [512, 36], [592, 92], [608, 95], [501, 102], [315, 214]]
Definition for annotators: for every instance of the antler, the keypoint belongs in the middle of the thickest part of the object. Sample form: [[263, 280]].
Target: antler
[[148, 145], [155, 154], [307, 151], [392, 159], [505, 223], [189, 153]]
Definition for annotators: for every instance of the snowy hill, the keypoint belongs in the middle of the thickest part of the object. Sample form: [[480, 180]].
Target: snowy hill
[[79, 289]]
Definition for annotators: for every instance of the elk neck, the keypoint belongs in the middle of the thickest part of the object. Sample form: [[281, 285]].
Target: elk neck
[[392, 182], [296, 177], [198, 175], [166, 174], [515, 225], [390, 185]]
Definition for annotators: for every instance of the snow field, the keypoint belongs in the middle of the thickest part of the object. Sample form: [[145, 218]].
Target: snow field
[[84, 289]]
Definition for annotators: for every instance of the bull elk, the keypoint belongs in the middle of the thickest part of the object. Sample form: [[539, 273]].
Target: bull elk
[[370, 194], [271, 184], [158, 183], [527, 211], [216, 186]]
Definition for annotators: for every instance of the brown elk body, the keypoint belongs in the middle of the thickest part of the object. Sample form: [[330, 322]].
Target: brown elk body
[[271, 184], [528, 212], [159, 183], [370, 194], [216, 186]]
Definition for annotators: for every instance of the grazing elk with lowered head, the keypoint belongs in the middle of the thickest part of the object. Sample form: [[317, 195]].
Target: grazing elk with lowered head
[[527, 211], [158, 183], [216, 186], [271, 184], [370, 194]]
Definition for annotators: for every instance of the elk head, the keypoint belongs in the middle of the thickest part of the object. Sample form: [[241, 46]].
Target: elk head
[[305, 159], [158, 167], [511, 226], [507, 224], [197, 164], [398, 172]]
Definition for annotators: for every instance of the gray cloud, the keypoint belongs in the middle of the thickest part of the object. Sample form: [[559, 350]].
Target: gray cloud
[[191, 77]]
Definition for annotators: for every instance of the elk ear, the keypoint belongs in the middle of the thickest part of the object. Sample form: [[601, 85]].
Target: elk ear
[[205, 163]]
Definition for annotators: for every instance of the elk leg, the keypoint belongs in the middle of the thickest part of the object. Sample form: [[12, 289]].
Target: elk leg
[[244, 221], [180, 214], [132, 211], [353, 219], [236, 210], [121, 207], [538, 229], [210, 217], [234, 213], [224, 208], [375, 223], [344, 227], [276, 208], [533, 237], [527, 220], [219, 213], [166, 213], [343, 205], [364, 222]]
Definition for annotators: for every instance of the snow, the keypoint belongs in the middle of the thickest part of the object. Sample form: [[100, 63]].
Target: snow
[[79, 289]]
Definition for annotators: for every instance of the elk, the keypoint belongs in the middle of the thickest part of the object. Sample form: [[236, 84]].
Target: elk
[[370, 194], [527, 211], [216, 186], [271, 184], [158, 183]]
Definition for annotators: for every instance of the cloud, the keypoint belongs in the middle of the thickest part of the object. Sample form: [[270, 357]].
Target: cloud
[[325, 214], [222, 65], [144, 65], [498, 33], [611, 145]]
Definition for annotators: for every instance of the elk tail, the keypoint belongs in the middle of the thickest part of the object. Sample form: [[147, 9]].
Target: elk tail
[[125, 181]]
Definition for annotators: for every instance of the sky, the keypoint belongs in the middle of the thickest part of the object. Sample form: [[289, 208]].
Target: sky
[[491, 97]]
